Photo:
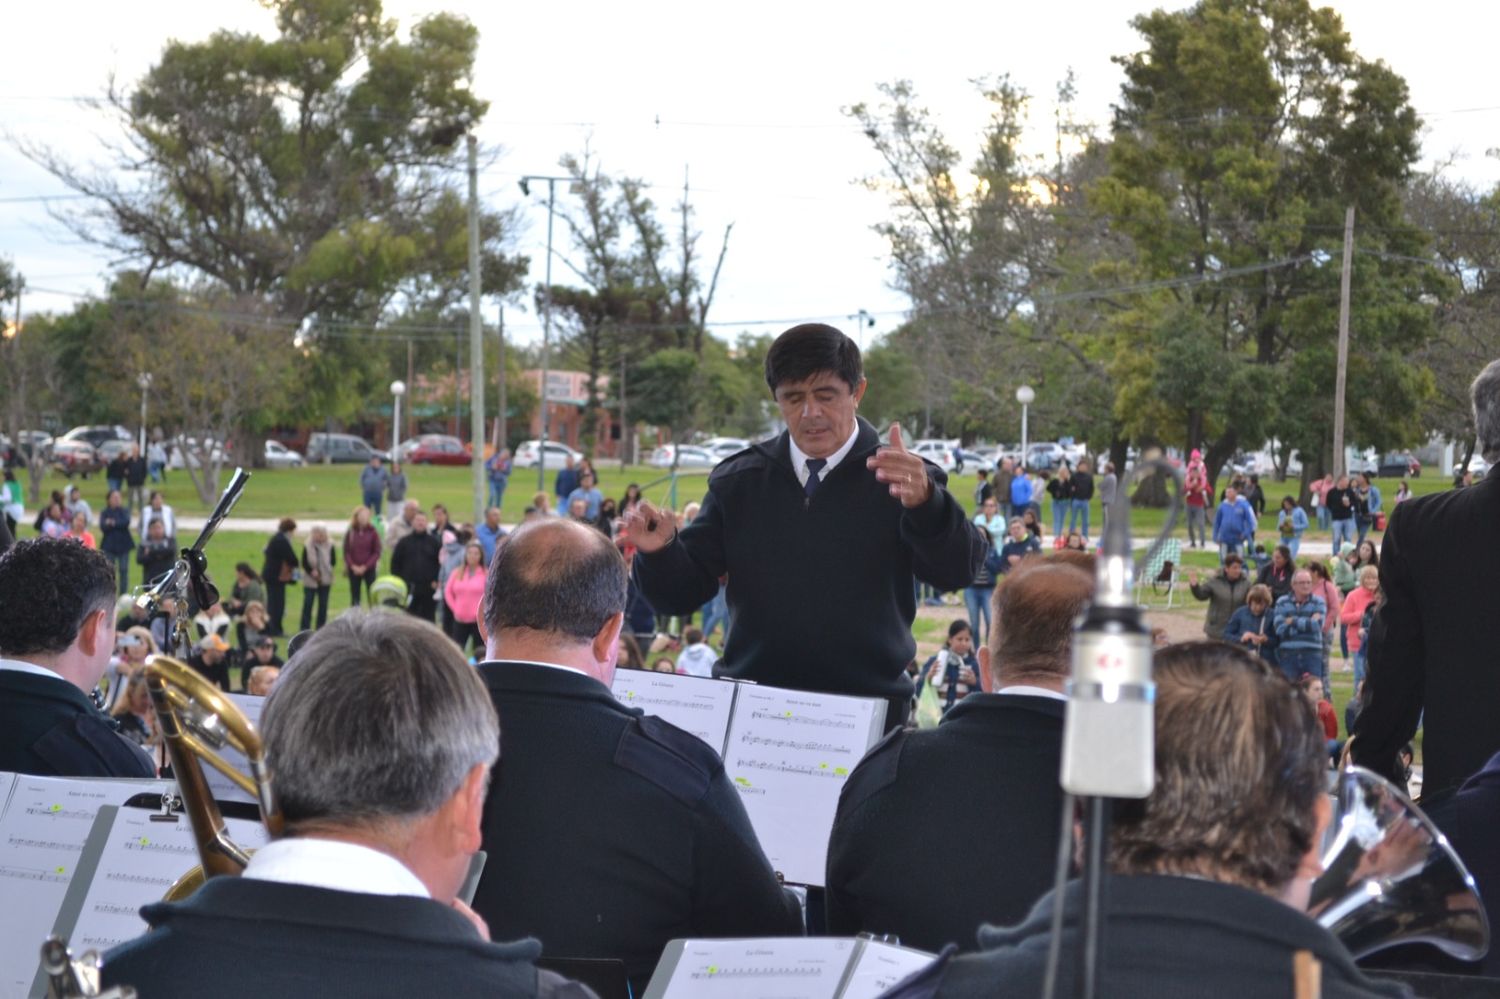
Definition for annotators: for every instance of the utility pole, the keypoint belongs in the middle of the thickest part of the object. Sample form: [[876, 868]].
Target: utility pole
[[1343, 369], [627, 439], [541, 462], [411, 423], [476, 341], [501, 431]]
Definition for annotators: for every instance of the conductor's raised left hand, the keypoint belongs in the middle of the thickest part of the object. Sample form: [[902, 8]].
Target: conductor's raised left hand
[[904, 473]]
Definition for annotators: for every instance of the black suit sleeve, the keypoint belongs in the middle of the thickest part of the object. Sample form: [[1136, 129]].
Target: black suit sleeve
[[947, 550], [5, 539], [684, 575], [1397, 675], [735, 892]]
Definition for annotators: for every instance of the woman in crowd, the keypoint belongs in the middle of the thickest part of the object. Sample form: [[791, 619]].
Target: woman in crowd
[[1360, 603], [978, 593], [1291, 524], [1403, 493], [52, 521], [116, 540], [247, 589], [248, 633], [135, 715], [319, 557], [157, 509], [361, 553], [1277, 573], [80, 532], [607, 518], [156, 553], [1312, 688], [542, 504], [1018, 545], [1324, 587], [1060, 488], [280, 569], [439, 521], [131, 649], [1250, 626], [630, 500], [1032, 524], [211, 620], [450, 557], [464, 593]]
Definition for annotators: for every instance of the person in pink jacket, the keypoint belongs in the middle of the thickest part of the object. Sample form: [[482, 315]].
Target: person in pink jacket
[[1360, 599], [464, 592], [1324, 586]]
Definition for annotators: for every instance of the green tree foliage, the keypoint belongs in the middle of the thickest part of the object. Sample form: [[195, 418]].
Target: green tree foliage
[[1244, 129]]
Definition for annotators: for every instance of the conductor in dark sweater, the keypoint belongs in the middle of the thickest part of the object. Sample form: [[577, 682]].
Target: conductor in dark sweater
[[940, 831], [820, 530], [609, 832], [57, 632]]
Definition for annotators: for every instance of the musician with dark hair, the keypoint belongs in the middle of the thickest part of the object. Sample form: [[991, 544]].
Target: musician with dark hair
[[57, 633], [609, 832], [380, 742], [823, 524], [1211, 872], [978, 795]]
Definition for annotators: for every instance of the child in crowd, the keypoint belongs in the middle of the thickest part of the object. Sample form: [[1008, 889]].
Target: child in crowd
[[697, 659], [1250, 625], [1312, 689], [954, 672]]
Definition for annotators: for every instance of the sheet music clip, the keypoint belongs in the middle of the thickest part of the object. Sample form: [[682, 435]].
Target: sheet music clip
[[171, 807]]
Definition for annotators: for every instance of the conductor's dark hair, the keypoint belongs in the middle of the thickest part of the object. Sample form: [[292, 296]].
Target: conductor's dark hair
[[1240, 765], [48, 586], [557, 577], [811, 349]]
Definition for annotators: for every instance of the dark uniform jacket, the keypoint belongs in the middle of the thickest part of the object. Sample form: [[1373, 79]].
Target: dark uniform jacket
[[1431, 644], [1165, 938], [50, 728], [609, 833], [1469, 819], [240, 938], [938, 832], [820, 590]]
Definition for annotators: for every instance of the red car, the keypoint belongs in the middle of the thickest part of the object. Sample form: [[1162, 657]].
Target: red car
[[436, 449]]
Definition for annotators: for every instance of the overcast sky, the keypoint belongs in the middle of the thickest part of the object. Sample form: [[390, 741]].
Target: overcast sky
[[747, 97]]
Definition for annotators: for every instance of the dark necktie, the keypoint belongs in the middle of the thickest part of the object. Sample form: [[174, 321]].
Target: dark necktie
[[814, 466]]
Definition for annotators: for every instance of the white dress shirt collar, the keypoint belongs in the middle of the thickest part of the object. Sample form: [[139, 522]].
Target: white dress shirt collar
[[335, 865], [799, 457], [538, 662], [17, 666], [1028, 690]]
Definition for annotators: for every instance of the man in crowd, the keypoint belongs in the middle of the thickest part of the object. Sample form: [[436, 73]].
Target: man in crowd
[[1083, 494], [1022, 491], [566, 481], [589, 493], [910, 852], [1004, 475], [819, 525], [608, 832], [497, 467], [400, 526], [373, 480], [382, 740], [262, 680], [1225, 592], [1211, 872], [1340, 501], [1429, 644], [57, 632], [210, 658], [416, 560], [1234, 524], [135, 479], [1298, 619], [489, 533]]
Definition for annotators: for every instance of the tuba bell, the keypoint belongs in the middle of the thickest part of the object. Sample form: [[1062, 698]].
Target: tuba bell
[[1390, 876], [197, 721]]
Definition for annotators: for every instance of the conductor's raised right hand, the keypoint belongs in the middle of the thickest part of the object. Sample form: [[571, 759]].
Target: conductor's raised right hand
[[650, 528]]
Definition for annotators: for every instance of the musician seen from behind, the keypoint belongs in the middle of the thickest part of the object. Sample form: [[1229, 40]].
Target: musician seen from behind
[[380, 741], [609, 832], [821, 532], [942, 830], [57, 633], [1210, 874]]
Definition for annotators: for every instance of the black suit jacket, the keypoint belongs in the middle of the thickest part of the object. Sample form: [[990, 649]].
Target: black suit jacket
[[820, 590], [1165, 938], [1430, 646], [610, 832], [48, 727], [940, 831], [239, 938], [1469, 820]]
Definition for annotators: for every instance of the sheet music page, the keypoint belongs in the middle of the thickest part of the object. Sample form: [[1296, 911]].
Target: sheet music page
[[772, 968], [42, 833], [221, 787], [789, 754], [696, 704], [880, 966], [141, 860]]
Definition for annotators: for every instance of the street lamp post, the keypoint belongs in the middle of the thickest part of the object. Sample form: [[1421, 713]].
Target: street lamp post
[[144, 381], [541, 465], [398, 389], [1024, 395]]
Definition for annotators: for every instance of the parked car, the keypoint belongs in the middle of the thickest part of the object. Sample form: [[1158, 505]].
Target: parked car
[[434, 449], [687, 456], [529, 453], [342, 449], [278, 455], [31, 440], [1398, 465], [112, 449], [98, 435], [184, 452], [75, 458], [723, 447], [973, 461], [1045, 456], [939, 452]]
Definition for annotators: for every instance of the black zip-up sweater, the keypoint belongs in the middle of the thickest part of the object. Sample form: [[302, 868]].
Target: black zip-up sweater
[[820, 591]]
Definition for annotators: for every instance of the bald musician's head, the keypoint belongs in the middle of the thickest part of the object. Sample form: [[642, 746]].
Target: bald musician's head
[[1031, 640], [556, 594]]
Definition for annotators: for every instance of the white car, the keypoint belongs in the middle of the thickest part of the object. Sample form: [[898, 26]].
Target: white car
[[278, 455], [723, 447], [687, 456], [940, 453], [180, 458], [529, 453]]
